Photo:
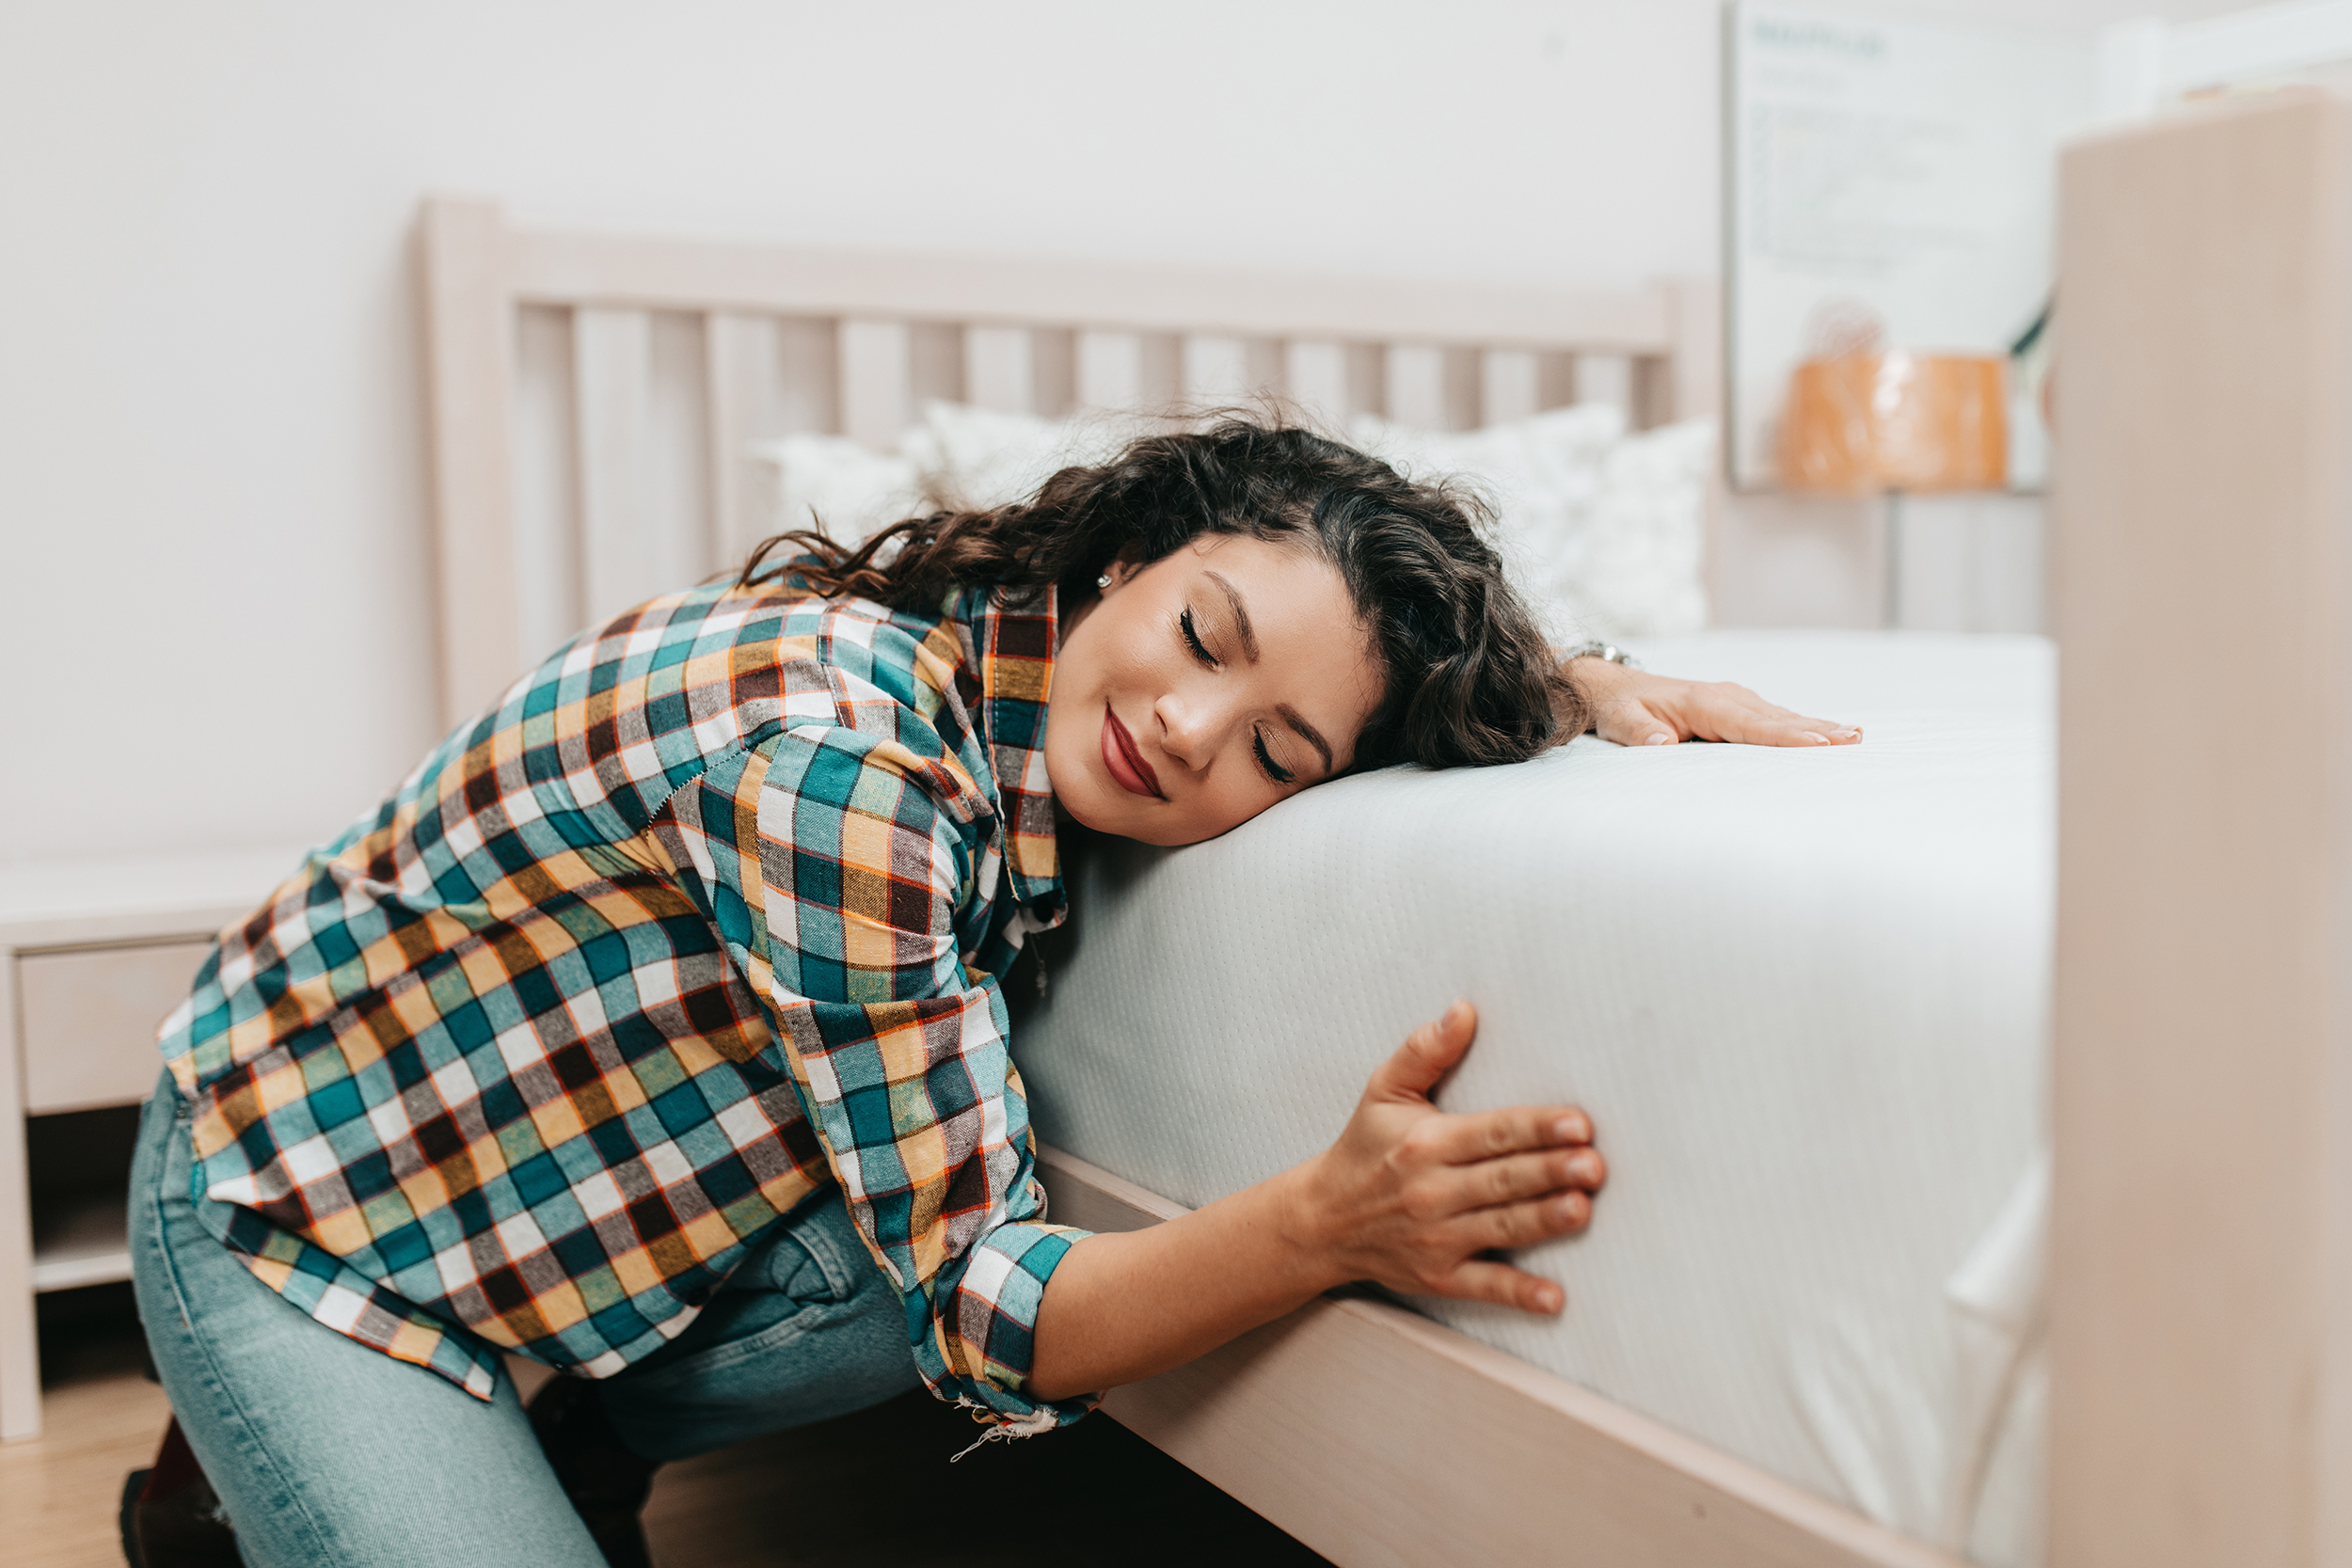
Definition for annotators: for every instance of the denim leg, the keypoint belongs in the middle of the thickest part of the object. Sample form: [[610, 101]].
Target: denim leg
[[323, 1450], [807, 1327]]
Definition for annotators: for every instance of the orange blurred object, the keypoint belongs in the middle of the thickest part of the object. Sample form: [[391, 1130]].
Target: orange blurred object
[[1862, 422]]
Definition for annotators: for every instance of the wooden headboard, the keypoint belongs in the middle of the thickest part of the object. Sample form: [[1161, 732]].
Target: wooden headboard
[[594, 399]]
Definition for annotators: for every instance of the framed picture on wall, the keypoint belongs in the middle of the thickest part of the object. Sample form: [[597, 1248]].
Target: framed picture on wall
[[1889, 191]]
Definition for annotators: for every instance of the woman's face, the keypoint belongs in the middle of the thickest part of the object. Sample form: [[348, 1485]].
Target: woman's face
[[1198, 691]]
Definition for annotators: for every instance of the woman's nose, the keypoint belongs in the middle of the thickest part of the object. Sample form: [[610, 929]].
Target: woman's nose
[[1187, 730]]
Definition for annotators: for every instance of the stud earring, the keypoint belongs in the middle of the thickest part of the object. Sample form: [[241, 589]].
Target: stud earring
[[1102, 581]]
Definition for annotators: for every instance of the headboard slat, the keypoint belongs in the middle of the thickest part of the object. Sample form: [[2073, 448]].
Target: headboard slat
[[1461, 371], [740, 357], [1109, 370], [999, 369], [1605, 378], [1217, 369], [1416, 385], [1053, 370], [877, 381], [1555, 381], [1507, 386], [678, 530], [807, 376], [935, 367], [612, 368], [466, 253], [1314, 376], [1160, 361], [546, 604]]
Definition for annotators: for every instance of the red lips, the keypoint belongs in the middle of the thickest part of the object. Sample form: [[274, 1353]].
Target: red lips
[[1124, 758]]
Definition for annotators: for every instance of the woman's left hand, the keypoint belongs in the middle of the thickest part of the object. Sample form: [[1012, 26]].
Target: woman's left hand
[[1634, 707]]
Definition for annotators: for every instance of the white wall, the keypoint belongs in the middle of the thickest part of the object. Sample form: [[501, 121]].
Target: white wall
[[212, 591]]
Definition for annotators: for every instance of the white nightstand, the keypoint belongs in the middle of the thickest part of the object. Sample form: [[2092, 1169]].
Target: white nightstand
[[93, 954]]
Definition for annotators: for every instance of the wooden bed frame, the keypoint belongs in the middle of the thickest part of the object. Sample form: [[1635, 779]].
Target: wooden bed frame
[[2201, 1321], [1373, 1434]]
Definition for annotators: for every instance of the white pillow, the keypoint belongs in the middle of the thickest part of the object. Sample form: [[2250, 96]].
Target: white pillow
[[976, 458], [1602, 531], [958, 457], [838, 485]]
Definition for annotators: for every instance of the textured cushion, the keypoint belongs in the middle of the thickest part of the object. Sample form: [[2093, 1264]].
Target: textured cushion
[[1603, 530], [838, 485]]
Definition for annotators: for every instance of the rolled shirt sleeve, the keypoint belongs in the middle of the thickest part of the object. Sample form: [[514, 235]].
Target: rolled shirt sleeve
[[855, 879]]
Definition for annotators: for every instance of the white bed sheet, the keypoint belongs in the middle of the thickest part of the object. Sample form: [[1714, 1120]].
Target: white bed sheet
[[1802, 993]]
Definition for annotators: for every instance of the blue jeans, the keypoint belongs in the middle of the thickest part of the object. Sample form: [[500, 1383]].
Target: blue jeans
[[326, 1451]]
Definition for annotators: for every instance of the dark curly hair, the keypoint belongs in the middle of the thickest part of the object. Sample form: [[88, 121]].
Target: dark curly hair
[[1470, 679]]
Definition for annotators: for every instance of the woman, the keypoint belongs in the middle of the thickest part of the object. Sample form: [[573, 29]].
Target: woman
[[652, 1027]]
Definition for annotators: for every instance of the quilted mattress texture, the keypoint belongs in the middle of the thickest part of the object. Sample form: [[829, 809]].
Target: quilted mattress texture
[[1802, 993]]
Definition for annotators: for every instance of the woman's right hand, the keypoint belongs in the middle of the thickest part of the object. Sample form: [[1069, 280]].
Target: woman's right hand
[[1414, 1198], [1409, 1196]]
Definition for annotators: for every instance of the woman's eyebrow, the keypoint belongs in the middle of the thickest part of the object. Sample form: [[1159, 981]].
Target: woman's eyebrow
[[1313, 736], [1241, 621]]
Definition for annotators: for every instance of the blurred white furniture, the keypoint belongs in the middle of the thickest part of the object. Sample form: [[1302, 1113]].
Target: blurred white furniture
[[591, 402], [2202, 1335], [93, 954], [2148, 63]]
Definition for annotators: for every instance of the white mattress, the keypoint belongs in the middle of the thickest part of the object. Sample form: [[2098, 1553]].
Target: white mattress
[[1802, 993]]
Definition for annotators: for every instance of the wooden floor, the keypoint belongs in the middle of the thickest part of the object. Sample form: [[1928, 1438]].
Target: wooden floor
[[100, 1419], [874, 1489]]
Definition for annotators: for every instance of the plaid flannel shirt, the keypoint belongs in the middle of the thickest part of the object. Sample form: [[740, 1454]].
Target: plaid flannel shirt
[[708, 912]]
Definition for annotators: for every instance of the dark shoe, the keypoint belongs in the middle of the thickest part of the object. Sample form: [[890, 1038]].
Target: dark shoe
[[170, 1516], [607, 1482]]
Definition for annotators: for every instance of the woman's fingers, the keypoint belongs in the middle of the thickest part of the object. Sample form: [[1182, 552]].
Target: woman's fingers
[[1634, 709], [1777, 726], [1481, 1280], [1628, 722], [1525, 1222], [1739, 716], [1670, 710], [1427, 1055], [1518, 1176], [1726, 711], [1466, 1140], [1508, 1226]]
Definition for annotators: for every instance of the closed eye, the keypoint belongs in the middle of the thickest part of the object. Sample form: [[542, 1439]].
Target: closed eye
[[1199, 649], [1274, 770]]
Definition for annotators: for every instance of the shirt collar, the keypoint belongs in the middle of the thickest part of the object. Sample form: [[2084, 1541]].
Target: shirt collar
[[1016, 634]]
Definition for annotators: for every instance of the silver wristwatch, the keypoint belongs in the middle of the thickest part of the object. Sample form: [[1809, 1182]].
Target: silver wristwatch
[[1609, 650]]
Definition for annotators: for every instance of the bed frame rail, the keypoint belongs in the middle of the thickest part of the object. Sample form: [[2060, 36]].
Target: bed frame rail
[[1379, 1438]]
